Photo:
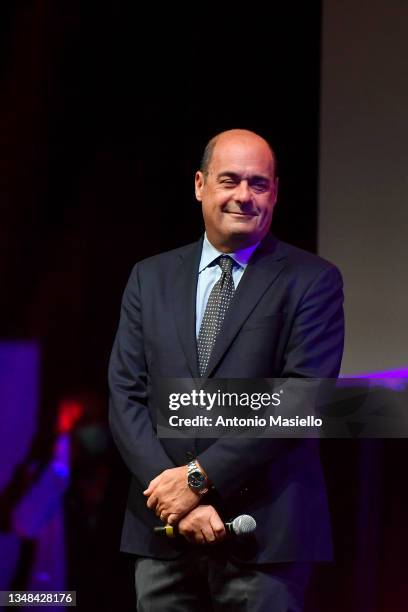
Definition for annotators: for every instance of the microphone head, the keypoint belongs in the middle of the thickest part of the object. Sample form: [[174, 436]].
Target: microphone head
[[243, 525]]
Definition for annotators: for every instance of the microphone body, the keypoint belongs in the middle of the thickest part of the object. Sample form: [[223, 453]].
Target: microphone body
[[242, 525], [166, 530]]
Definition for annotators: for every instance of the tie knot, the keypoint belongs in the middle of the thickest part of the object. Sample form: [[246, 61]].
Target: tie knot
[[226, 262]]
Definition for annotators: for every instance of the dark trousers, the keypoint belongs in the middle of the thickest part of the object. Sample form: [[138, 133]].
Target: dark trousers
[[201, 581]]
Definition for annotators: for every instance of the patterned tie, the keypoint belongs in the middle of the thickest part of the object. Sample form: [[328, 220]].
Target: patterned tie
[[215, 310]]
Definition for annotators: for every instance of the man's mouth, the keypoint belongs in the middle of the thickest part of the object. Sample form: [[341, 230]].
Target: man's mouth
[[241, 214]]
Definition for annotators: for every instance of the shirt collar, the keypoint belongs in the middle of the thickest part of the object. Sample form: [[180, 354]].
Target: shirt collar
[[210, 253]]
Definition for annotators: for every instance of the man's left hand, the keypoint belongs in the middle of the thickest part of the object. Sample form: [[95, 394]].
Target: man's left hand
[[169, 495], [202, 525]]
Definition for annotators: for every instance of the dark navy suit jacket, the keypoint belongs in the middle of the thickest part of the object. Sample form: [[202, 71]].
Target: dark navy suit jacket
[[285, 320]]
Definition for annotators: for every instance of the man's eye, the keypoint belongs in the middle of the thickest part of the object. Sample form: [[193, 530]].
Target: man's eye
[[228, 182], [260, 187]]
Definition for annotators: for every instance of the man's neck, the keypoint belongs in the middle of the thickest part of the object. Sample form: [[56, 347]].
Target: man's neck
[[241, 254]]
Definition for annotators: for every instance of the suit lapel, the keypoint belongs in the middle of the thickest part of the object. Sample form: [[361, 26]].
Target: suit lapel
[[184, 304], [262, 270]]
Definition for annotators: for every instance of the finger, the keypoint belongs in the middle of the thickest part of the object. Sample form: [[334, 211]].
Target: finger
[[187, 533], [207, 530], [185, 525], [199, 537], [152, 485], [217, 526], [152, 502], [208, 534], [172, 519], [149, 490]]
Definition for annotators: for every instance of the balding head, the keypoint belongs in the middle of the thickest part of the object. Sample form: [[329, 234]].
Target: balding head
[[233, 137]]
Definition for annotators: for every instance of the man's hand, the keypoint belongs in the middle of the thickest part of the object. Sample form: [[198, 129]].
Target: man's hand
[[202, 525], [169, 495]]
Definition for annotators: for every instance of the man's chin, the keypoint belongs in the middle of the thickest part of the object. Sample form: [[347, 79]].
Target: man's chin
[[241, 239], [245, 226]]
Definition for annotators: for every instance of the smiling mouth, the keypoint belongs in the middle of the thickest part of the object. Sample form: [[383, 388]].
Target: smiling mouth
[[241, 214]]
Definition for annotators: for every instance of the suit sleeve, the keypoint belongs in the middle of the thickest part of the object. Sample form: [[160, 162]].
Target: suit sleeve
[[129, 416], [314, 349]]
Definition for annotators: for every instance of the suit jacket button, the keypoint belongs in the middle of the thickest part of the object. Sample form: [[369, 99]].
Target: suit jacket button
[[244, 491]]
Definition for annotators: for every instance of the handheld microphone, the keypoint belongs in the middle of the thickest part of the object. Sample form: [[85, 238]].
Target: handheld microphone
[[242, 525]]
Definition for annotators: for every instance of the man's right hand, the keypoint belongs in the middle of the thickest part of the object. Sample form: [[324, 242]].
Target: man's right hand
[[202, 525]]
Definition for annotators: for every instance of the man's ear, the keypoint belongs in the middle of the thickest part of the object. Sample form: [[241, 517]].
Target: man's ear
[[199, 184]]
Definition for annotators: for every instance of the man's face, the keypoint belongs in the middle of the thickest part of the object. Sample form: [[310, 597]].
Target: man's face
[[239, 192]]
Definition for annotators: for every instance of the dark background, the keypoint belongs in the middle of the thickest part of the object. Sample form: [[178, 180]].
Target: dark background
[[104, 113]]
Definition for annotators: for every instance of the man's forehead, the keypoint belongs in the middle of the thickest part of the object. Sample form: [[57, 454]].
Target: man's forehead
[[252, 155], [245, 166]]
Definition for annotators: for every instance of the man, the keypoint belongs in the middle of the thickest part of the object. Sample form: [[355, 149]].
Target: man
[[237, 304]]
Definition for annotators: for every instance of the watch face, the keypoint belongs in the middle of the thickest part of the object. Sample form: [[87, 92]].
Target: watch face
[[196, 480]]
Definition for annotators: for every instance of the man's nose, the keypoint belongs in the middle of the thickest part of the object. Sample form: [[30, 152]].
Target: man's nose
[[243, 192]]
